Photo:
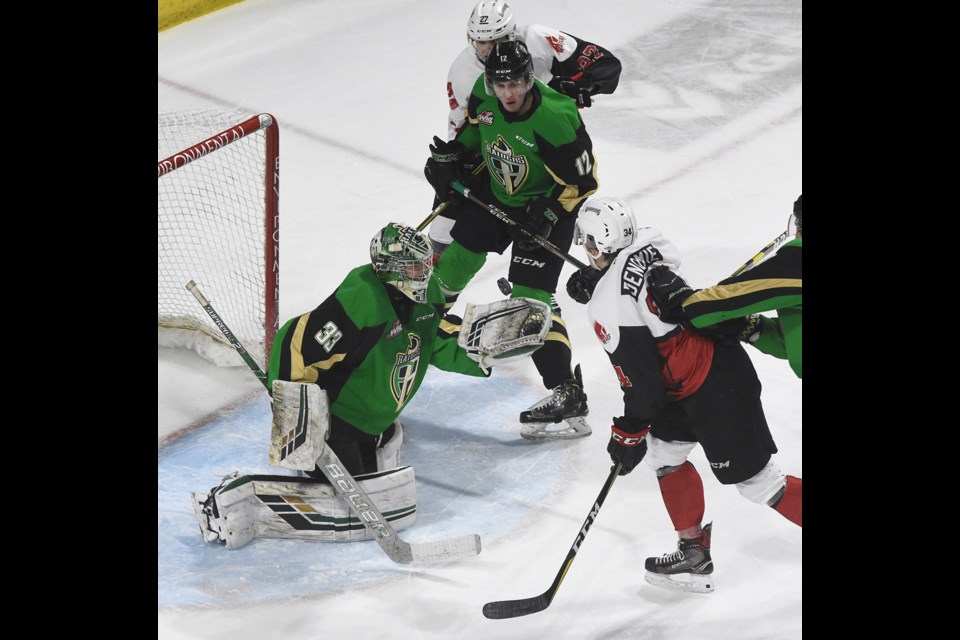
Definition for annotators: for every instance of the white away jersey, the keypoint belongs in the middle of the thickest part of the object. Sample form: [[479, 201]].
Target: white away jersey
[[620, 299]]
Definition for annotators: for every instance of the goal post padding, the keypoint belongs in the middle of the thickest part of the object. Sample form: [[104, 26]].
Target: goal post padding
[[218, 194]]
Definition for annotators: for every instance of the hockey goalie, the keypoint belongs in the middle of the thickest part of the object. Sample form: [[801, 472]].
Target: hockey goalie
[[340, 377]]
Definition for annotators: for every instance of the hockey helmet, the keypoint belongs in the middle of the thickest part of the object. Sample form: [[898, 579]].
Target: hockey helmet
[[489, 22], [403, 257], [607, 224], [509, 60], [798, 213]]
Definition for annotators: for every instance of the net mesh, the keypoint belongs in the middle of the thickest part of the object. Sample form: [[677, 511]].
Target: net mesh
[[211, 229]]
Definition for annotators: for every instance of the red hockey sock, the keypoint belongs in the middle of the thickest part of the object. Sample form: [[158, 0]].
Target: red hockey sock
[[791, 504], [682, 491]]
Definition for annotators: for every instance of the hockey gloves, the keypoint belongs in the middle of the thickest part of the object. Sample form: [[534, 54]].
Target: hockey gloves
[[538, 219], [570, 88], [581, 284], [443, 166], [745, 329], [668, 290], [628, 444]]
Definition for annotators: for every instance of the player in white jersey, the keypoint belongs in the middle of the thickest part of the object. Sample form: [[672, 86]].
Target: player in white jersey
[[566, 63], [681, 387]]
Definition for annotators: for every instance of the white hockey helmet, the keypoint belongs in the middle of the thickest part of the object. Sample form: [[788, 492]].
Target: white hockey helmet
[[606, 224], [490, 21], [403, 257]]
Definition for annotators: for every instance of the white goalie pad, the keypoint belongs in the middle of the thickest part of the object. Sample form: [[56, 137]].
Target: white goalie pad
[[243, 508], [301, 424], [505, 330]]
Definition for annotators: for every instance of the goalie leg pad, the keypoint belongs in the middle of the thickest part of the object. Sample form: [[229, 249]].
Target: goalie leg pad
[[505, 330], [262, 506], [388, 453], [301, 424]]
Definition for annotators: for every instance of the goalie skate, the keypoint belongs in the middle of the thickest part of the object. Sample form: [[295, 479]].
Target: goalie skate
[[203, 506]]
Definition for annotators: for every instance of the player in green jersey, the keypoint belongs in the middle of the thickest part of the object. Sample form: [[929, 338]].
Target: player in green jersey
[[540, 169], [732, 306], [368, 345]]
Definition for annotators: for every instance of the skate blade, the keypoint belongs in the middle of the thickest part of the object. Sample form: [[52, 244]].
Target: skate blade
[[574, 428], [687, 582]]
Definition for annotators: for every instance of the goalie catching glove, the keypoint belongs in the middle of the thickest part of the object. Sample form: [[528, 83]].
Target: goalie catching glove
[[505, 330]]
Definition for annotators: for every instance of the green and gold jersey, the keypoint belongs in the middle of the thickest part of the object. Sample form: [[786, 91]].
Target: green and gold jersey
[[775, 284], [370, 361], [545, 152]]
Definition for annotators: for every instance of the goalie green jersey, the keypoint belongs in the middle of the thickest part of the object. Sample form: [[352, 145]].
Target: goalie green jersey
[[369, 346], [544, 152]]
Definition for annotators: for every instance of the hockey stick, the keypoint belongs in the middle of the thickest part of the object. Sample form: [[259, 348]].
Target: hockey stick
[[540, 240], [349, 490], [514, 608], [760, 255], [443, 205]]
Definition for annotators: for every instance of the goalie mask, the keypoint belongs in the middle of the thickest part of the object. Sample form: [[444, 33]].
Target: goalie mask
[[606, 224], [403, 257]]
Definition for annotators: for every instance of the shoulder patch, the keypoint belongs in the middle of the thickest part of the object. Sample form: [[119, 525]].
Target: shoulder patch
[[556, 43], [395, 330]]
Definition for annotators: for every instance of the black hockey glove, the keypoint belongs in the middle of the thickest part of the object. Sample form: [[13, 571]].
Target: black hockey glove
[[443, 166], [579, 93], [668, 291], [745, 329], [628, 444], [581, 284], [538, 219]]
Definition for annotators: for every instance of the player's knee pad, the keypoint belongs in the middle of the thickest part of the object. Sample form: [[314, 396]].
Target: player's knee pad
[[765, 485], [666, 456], [388, 453]]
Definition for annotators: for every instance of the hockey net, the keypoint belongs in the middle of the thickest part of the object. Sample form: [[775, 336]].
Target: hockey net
[[218, 190]]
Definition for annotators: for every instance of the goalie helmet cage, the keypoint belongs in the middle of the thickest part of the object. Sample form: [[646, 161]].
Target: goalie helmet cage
[[218, 192]]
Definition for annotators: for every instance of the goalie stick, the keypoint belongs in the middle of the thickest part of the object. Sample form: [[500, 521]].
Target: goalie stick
[[524, 607], [346, 487]]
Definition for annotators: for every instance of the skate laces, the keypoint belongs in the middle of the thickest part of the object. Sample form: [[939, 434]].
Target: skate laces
[[670, 558]]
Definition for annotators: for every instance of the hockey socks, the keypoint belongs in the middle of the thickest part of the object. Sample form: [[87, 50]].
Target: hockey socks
[[790, 505], [682, 491]]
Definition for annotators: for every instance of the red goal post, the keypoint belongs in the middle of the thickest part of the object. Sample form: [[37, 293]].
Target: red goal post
[[218, 191]]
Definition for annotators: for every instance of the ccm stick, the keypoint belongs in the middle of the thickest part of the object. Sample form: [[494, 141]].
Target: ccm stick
[[515, 608], [350, 491]]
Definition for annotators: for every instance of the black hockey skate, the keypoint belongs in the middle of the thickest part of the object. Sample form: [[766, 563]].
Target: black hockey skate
[[689, 568], [567, 403]]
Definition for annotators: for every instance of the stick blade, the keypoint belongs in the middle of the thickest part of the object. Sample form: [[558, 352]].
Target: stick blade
[[515, 608], [445, 550]]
